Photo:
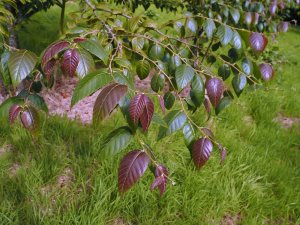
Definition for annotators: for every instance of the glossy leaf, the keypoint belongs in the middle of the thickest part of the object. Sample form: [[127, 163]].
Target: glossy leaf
[[89, 84], [20, 64], [174, 62], [235, 15], [53, 50], [86, 63], [118, 140], [266, 71], [183, 75], [161, 179], [189, 134], [147, 114], [258, 42], [156, 52], [238, 83], [202, 149], [192, 26], [223, 104], [175, 121], [29, 118], [38, 102], [209, 27], [6, 105], [169, 100], [143, 69], [70, 62], [197, 90], [94, 47], [224, 71], [14, 112], [132, 167], [247, 66], [236, 40], [225, 34], [157, 82], [215, 88], [107, 100]]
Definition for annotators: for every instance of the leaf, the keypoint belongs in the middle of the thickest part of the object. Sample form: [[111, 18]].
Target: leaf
[[20, 64], [94, 47], [238, 83], [247, 66], [223, 104], [158, 120], [283, 26], [197, 90], [133, 23], [4, 71], [202, 149], [137, 43], [189, 134], [207, 106], [38, 102], [209, 28], [132, 167], [89, 84], [29, 118], [107, 100], [236, 40], [208, 132], [235, 14], [248, 18], [183, 75], [162, 104], [147, 114], [70, 62], [141, 109], [215, 89], [143, 69], [224, 71], [272, 8], [192, 26], [14, 112], [86, 63], [156, 52], [117, 140], [169, 100], [161, 178], [258, 42], [49, 68], [225, 34], [52, 50], [175, 121], [174, 62], [6, 105], [266, 71], [157, 82]]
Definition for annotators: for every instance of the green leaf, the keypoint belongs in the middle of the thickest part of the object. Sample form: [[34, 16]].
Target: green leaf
[[121, 78], [224, 71], [197, 90], [236, 40], [183, 75], [175, 121], [174, 62], [20, 64], [156, 52], [235, 14], [223, 104], [191, 25], [247, 66], [117, 140], [94, 47], [225, 34], [143, 69], [209, 27], [158, 120], [4, 71], [169, 100], [89, 84], [157, 82], [189, 134], [38, 102], [137, 43], [123, 62], [133, 23], [86, 63], [238, 83]]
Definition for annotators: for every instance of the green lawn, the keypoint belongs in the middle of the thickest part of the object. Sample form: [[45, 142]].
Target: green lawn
[[259, 182]]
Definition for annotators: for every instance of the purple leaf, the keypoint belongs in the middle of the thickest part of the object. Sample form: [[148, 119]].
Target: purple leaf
[[107, 100], [70, 62], [258, 42], [132, 167], [49, 68], [207, 105], [136, 107], [53, 50], [14, 112], [79, 39], [162, 104], [223, 152], [29, 118], [147, 114], [266, 71], [208, 132], [201, 151], [161, 178], [248, 18], [272, 8], [283, 26], [215, 89]]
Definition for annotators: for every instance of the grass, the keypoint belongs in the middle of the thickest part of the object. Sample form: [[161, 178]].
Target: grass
[[257, 184]]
